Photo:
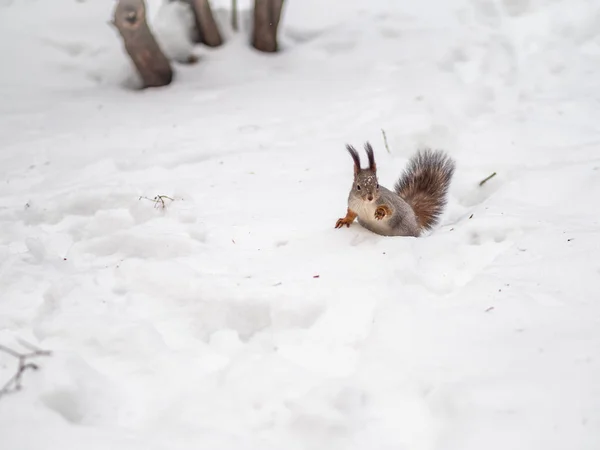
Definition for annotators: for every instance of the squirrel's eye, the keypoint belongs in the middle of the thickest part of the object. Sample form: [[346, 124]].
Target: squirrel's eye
[[377, 185], [358, 187]]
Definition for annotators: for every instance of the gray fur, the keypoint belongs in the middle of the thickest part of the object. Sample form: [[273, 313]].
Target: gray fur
[[402, 221]]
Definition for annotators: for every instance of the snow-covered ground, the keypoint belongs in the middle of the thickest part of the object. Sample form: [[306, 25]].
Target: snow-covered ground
[[237, 317]]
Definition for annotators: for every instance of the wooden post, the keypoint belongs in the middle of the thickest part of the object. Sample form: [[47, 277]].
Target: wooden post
[[267, 14], [151, 63], [208, 30]]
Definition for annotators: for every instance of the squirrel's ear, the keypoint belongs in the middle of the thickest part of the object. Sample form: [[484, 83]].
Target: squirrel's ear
[[355, 157], [371, 157]]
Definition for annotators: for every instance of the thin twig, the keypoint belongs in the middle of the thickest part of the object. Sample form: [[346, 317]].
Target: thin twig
[[32, 347], [14, 383], [158, 200], [482, 182], [9, 351], [385, 141]]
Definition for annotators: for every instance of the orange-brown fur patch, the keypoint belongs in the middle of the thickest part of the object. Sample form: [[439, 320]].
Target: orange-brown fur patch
[[350, 216], [382, 211]]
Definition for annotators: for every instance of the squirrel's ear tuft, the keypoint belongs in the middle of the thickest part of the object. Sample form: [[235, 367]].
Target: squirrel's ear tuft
[[355, 157], [371, 156]]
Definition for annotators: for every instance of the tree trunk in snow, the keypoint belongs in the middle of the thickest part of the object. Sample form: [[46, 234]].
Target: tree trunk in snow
[[151, 63], [267, 14], [208, 30]]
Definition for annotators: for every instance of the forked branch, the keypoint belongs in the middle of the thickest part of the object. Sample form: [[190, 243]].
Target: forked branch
[[14, 383]]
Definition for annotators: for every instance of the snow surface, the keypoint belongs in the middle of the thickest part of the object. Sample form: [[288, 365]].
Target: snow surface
[[237, 317]]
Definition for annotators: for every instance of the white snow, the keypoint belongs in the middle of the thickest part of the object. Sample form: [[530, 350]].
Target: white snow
[[237, 317]]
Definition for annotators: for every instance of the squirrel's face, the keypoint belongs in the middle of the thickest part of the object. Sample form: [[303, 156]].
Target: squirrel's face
[[366, 185]]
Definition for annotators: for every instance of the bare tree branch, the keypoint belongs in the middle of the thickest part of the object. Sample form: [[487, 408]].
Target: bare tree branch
[[14, 383]]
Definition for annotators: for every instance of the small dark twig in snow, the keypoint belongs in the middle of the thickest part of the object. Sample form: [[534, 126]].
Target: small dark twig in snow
[[14, 383], [385, 141], [485, 180], [489, 309], [159, 200]]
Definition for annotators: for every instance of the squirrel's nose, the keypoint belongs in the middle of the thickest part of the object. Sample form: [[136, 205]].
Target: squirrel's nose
[[370, 197]]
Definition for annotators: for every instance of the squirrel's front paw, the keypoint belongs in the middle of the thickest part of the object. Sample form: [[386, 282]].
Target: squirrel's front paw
[[382, 211], [341, 222], [350, 216]]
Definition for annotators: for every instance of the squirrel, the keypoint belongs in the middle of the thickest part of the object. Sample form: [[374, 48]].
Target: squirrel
[[415, 205]]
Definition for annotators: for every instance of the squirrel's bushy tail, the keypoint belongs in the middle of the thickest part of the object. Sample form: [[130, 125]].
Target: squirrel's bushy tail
[[424, 185]]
